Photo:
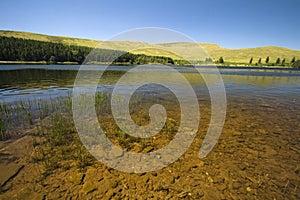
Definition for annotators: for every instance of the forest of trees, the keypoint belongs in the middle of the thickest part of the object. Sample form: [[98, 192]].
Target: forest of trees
[[17, 49]]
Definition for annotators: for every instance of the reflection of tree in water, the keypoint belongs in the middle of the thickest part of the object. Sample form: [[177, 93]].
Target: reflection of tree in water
[[36, 78]]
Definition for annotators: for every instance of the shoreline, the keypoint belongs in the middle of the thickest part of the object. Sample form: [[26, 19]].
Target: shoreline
[[238, 66]]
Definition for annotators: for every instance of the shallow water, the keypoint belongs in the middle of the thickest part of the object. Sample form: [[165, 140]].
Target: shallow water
[[23, 82], [258, 89]]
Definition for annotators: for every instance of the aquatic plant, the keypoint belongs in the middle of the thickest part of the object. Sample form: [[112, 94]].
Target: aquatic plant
[[60, 130]]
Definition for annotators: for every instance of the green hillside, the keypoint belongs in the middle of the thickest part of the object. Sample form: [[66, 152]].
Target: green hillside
[[48, 38], [189, 50]]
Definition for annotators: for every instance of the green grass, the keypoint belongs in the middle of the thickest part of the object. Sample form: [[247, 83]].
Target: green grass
[[190, 50]]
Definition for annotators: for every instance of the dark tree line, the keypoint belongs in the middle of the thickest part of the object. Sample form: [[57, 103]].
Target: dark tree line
[[143, 59], [18, 49]]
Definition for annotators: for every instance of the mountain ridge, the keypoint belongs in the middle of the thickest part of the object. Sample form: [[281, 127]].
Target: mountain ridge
[[215, 51]]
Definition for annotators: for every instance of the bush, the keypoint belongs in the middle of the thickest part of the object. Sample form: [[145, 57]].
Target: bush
[[296, 64], [221, 60]]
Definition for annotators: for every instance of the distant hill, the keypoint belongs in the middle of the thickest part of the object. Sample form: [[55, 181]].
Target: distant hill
[[215, 51], [48, 38]]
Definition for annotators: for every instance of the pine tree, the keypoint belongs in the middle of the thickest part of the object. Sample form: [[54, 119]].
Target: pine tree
[[278, 61], [208, 60], [293, 60], [251, 59], [283, 62], [221, 60], [267, 60], [259, 61], [52, 60]]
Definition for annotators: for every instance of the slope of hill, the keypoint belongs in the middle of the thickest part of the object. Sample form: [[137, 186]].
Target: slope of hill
[[48, 38], [243, 55], [173, 50]]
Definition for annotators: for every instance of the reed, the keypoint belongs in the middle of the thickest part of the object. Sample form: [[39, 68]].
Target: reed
[[60, 130]]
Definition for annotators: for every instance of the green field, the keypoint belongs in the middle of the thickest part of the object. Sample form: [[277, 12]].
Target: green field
[[173, 50]]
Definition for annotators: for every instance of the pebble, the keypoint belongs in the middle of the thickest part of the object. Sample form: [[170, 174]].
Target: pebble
[[262, 131], [200, 163], [236, 133], [219, 179], [200, 194], [222, 187], [242, 166], [248, 189], [114, 184], [210, 179], [88, 187], [182, 195], [236, 185]]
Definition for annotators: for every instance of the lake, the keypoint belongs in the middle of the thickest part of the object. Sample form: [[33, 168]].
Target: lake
[[257, 153]]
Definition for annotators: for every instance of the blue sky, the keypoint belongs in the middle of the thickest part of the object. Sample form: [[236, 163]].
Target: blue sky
[[229, 23]]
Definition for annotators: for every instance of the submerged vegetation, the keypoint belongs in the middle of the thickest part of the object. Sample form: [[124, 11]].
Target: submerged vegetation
[[56, 144], [24, 115]]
